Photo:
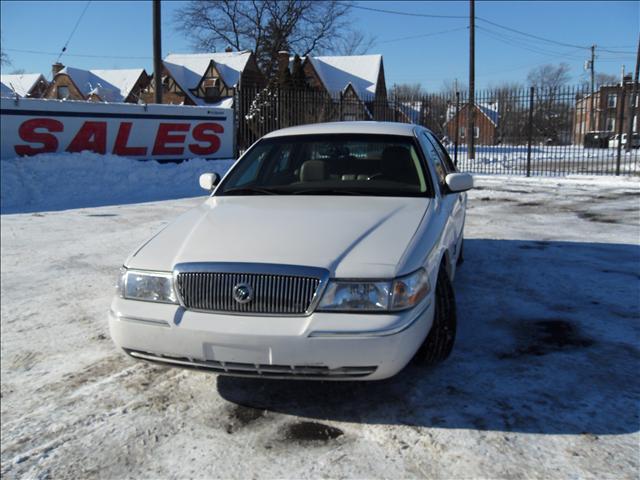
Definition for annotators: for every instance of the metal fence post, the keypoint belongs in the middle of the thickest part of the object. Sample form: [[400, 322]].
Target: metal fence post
[[236, 121], [620, 121], [530, 131], [455, 148]]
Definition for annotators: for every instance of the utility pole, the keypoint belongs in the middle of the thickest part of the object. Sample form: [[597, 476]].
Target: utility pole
[[157, 53], [593, 81], [471, 111], [633, 109]]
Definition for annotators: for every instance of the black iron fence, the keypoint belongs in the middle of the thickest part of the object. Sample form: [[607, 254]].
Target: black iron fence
[[534, 131]]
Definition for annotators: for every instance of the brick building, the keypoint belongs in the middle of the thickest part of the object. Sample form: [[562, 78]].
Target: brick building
[[485, 123], [206, 78], [117, 85], [356, 82], [604, 111], [25, 85]]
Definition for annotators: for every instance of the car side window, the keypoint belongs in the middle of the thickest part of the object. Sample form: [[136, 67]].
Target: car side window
[[444, 155], [250, 171], [434, 158]]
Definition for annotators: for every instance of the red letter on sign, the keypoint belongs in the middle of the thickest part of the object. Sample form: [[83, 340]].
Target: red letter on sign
[[91, 136], [27, 132], [164, 136], [121, 148], [206, 132]]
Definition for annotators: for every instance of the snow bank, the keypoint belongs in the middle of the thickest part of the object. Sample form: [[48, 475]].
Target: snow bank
[[76, 180]]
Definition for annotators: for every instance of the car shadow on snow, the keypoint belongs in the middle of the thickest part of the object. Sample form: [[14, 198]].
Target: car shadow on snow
[[547, 343]]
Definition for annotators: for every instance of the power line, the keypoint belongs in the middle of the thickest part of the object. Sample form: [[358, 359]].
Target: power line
[[407, 14], [64, 49], [36, 52], [532, 36], [608, 49], [424, 35], [515, 42]]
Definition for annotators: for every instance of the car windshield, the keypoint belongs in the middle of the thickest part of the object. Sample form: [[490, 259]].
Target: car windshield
[[385, 165]]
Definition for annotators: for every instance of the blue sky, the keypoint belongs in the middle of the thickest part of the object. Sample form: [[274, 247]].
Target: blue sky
[[118, 35]]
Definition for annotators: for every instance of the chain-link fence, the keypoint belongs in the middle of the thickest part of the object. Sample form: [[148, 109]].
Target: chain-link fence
[[535, 131]]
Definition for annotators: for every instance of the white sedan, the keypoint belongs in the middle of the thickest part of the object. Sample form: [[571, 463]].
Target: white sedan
[[328, 251]]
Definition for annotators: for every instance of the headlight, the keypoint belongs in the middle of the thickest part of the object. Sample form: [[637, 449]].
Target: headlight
[[356, 296], [148, 286], [380, 296], [408, 291]]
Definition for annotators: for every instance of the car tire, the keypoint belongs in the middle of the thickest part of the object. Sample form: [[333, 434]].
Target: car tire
[[460, 260], [439, 342]]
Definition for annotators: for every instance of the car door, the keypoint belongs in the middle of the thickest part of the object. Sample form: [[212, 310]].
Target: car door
[[460, 198], [444, 202]]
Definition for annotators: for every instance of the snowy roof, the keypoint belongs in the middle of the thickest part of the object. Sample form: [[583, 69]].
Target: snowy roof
[[109, 85], [336, 72], [19, 83], [123, 79], [411, 110], [5, 91], [188, 68], [490, 110]]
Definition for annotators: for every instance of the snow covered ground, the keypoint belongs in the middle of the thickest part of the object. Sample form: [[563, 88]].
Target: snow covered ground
[[543, 381], [61, 181]]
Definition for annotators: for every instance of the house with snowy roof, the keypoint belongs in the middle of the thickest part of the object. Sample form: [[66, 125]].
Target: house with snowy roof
[[486, 120], [356, 82], [116, 85], [206, 78], [27, 85]]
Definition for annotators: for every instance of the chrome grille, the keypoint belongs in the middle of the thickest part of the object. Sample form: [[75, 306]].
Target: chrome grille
[[276, 294]]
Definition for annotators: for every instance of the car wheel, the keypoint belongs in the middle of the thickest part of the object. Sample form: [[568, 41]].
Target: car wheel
[[439, 342], [460, 260]]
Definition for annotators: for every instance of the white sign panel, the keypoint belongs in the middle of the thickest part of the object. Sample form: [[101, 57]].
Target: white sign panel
[[33, 126]]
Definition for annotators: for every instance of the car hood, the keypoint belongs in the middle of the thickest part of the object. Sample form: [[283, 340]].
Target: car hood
[[350, 236]]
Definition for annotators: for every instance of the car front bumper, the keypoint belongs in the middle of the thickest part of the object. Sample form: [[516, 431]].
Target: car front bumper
[[327, 346]]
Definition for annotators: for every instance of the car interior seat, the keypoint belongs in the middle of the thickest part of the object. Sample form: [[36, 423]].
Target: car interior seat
[[398, 166], [313, 171]]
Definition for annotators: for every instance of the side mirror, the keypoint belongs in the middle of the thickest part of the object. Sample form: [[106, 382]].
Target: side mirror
[[459, 182], [208, 181]]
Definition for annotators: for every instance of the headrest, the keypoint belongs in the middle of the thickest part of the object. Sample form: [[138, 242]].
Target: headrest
[[312, 171]]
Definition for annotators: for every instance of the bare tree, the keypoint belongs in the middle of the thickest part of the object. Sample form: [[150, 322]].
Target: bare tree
[[4, 58], [551, 114], [267, 27], [354, 42], [549, 76], [407, 91], [606, 79]]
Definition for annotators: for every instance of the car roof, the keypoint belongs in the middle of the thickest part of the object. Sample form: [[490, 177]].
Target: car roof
[[376, 128]]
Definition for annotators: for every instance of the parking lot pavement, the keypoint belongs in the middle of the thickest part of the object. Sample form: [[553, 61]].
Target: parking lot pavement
[[542, 383]]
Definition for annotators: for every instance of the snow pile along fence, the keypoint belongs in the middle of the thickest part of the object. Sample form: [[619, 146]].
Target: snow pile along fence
[[60, 181]]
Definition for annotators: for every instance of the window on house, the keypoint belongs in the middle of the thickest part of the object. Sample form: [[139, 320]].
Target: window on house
[[612, 100], [634, 126], [461, 132], [212, 90], [611, 124], [476, 132], [211, 94], [63, 92]]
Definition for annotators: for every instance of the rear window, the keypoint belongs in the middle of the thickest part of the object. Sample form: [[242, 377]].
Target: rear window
[[330, 165]]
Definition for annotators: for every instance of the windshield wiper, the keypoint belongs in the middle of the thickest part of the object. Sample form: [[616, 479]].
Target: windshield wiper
[[328, 191], [252, 191]]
